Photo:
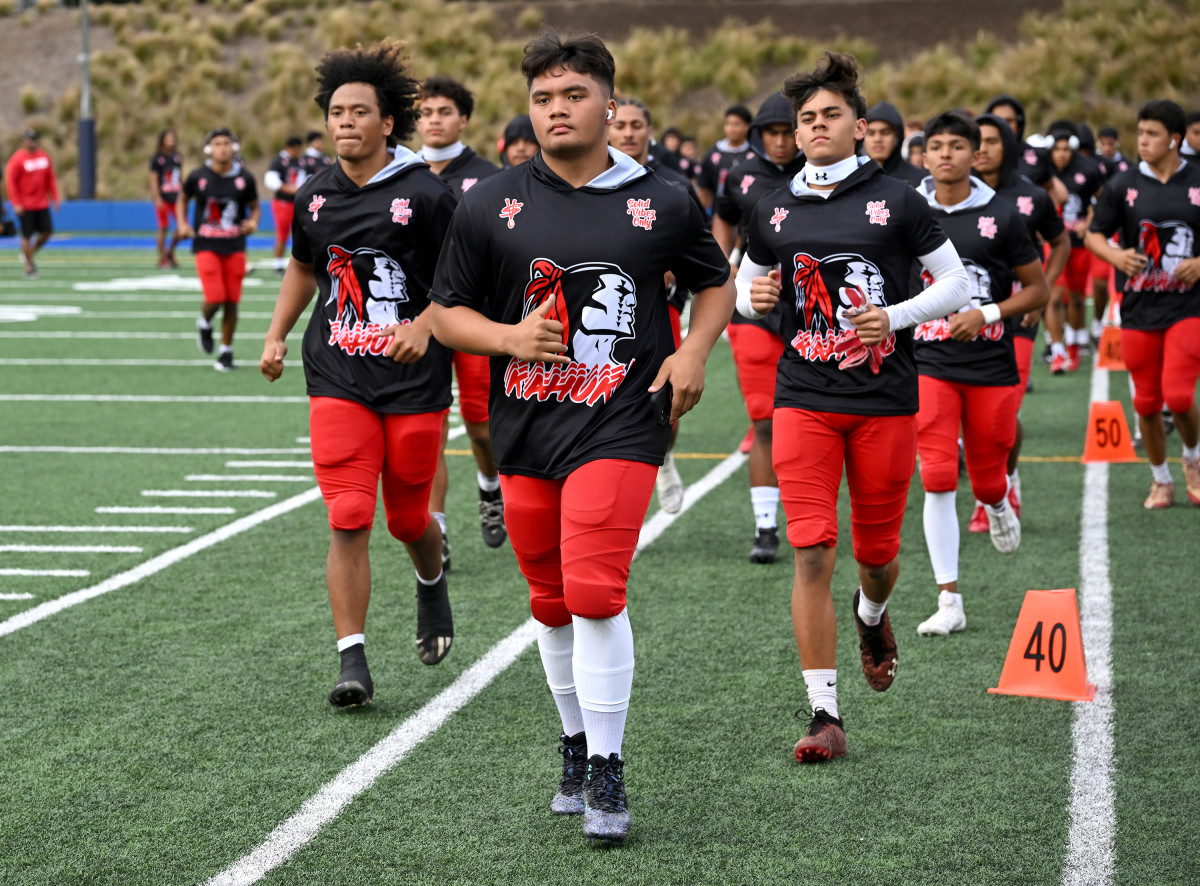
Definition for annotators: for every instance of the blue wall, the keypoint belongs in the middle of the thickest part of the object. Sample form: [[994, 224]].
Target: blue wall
[[122, 215]]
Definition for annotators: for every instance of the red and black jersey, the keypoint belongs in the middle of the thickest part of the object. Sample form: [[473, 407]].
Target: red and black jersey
[[169, 171], [860, 242], [599, 252], [1083, 181], [992, 240], [373, 250], [1161, 221], [1041, 218], [222, 203], [465, 171], [718, 163], [745, 186], [291, 171]]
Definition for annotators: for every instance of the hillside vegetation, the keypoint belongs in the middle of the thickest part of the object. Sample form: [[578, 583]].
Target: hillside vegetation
[[249, 64]]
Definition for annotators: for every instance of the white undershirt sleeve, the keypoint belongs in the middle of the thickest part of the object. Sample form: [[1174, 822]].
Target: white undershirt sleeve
[[951, 289], [272, 180], [747, 271]]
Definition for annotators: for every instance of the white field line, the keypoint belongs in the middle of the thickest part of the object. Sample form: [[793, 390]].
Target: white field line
[[208, 493], [156, 509], [70, 549], [148, 297], [177, 529], [61, 573], [143, 398], [157, 564], [1091, 853], [248, 478], [144, 450], [268, 464], [304, 439], [16, 596], [324, 806]]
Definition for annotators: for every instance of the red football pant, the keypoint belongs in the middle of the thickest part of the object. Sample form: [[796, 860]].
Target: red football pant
[[1023, 348], [879, 452], [474, 376], [574, 537], [988, 418], [353, 446], [283, 211], [1074, 277], [165, 215], [756, 353], [221, 276], [1164, 365], [676, 318]]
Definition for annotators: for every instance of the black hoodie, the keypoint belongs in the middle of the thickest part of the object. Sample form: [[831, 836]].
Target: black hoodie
[[895, 165], [1035, 162]]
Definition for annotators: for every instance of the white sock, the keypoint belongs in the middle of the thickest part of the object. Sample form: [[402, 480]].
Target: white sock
[[226, 349], [1097, 328], [441, 519], [1191, 453], [349, 640], [1014, 483], [822, 690], [1058, 349], [280, 263], [942, 535], [556, 646], [869, 611], [486, 483], [949, 597], [201, 323], [430, 582], [1162, 473], [765, 501], [603, 665]]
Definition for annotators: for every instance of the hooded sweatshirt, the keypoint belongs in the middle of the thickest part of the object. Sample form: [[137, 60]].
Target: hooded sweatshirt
[[895, 165], [373, 250], [519, 127], [1035, 162]]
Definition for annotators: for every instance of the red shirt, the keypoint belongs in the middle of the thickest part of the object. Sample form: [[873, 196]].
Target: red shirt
[[29, 178]]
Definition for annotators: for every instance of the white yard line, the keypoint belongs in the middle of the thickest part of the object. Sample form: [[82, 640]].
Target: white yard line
[[144, 398], [248, 478], [157, 564], [16, 596], [156, 509], [176, 529], [292, 835], [1091, 853], [208, 493], [268, 464], [145, 450], [87, 361], [60, 573], [146, 296], [70, 549]]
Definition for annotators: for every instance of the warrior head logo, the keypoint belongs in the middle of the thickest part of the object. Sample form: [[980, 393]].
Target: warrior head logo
[[367, 285], [1165, 245], [609, 302], [850, 277]]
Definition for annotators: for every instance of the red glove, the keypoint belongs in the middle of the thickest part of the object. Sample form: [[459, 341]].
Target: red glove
[[850, 349]]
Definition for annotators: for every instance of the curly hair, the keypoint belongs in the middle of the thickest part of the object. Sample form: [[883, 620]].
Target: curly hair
[[837, 73], [381, 67], [446, 87], [584, 54]]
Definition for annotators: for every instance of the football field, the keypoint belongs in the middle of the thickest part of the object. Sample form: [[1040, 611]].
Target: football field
[[166, 649]]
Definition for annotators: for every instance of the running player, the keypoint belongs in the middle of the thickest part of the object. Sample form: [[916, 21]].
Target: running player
[[885, 143], [757, 345], [166, 178], [846, 236], [555, 269], [32, 187], [315, 158], [996, 163], [724, 155], [227, 211], [445, 108], [284, 177], [1155, 208], [965, 361], [366, 240]]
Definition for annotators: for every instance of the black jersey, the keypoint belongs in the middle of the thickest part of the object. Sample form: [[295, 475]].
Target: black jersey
[[222, 204], [1161, 221], [373, 250], [1035, 165], [864, 236], [314, 161], [746, 185], [599, 252], [1083, 180], [677, 295], [291, 171], [1041, 218], [169, 170], [718, 163], [465, 171], [992, 240]]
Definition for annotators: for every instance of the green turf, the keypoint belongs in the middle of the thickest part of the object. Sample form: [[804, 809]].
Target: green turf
[[157, 734]]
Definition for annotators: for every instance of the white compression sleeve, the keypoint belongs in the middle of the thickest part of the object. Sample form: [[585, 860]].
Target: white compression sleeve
[[951, 290], [272, 180], [557, 646], [747, 271], [942, 535], [604, 678]]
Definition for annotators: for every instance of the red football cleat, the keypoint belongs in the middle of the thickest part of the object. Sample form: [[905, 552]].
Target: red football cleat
[[979, 521], [747, 441]]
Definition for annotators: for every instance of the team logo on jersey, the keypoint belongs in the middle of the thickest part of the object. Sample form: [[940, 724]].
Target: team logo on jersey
[[747, 181], [643, 215], [315, 206], [400, 211], [1194, 196], [202, 184], [824, 333], [1025, 205], [1131, 196], [468, 183], [1165, 245], [239, 183], [778, 217], [607, 317], [980, 289], [1080, 178], [987, 227], [510, 210], [877, 212], [716, 157], [368, 287], [1031, 157]]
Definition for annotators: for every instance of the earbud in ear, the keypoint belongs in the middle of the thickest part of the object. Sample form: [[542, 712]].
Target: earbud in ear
[[610, 116], [1172, 144]]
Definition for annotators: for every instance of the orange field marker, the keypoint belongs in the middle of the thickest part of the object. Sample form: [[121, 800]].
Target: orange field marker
[[1045, 658]]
